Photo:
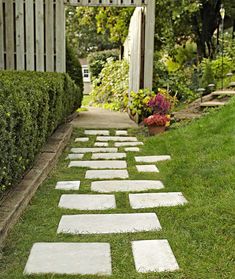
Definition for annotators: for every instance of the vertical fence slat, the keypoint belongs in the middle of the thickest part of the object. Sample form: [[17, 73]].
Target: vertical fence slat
[[1, 37], [60, 36], [20, 61], [39, 14], [10, 64], [49, 36], [29, 35]]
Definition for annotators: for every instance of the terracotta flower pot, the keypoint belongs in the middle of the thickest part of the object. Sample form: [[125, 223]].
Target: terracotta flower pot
[[154, 130]]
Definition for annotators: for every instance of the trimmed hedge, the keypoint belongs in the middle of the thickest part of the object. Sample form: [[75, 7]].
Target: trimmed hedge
[[32, 105]]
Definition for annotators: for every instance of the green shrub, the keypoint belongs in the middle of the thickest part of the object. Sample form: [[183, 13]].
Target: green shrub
[[32, 105], [97, 60], [73, 66], [110, 89]]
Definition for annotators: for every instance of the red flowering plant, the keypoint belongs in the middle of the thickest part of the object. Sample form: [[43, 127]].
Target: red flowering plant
[[157, 119]]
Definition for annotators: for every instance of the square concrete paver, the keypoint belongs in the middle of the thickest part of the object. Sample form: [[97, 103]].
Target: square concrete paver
[[108, 223], [99, 164], [153, 256], [132, 149], [117, 138], [133, 143], [152, 159], [108, 156], [147, 168], [125, 186], [69, 258], [81, 139], [68, 185], [94, 150], [150, 200], [106, 174], [87, 202], [97, 132], [75, 156], [101, 144], [121, 133]]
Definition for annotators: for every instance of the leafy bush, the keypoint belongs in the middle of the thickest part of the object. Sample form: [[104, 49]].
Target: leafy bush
[[110, 89], [73, 66], [97, 60], [32, 105]]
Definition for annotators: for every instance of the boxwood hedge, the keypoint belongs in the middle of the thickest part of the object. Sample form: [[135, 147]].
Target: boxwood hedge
[[32, 105]]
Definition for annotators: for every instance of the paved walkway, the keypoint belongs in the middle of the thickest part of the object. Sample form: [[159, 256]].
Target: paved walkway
[[100, 118], [111, 171]]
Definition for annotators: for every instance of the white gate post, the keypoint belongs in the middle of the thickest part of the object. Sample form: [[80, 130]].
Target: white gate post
[[149, 43]]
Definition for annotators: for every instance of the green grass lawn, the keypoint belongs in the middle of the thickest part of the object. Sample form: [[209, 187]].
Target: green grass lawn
[[201, 234]]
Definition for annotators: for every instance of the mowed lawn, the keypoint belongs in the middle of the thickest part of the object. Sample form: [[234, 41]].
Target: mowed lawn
[[201, 234]]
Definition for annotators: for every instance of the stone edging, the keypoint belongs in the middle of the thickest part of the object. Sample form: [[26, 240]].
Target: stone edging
[[18, 198]]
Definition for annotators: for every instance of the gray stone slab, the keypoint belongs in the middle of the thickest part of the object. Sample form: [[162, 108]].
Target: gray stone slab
[[153, 256], [134, 143], [108, 156], [150, 200], [132, 149], [117, 138], [106, 174], [87, 202], [101, 144], [81, 139], [147, 168], [75, 156], [152, 159], [125, 186], [97, 132], [68, 185], [69, 258], [121, 133], [94, 150], [108, 223], [114, 164]]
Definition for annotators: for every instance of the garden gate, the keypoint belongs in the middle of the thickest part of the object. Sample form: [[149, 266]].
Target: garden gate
[[32, 33]]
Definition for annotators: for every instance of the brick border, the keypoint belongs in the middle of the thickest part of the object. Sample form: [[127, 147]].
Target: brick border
[[19, 196]]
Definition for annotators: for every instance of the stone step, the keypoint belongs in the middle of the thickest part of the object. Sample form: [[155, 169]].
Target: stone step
[[87, 202], [108, 156], [125, 186], [152, 159], [147, 168], [68, 185], [151, 200], [106, 174], [212, 104], [223, 92], [101, 144], [122, 144], [114, 164], [108, 223], [116, 138], [121, 133], [94, 150], [97, 132], [81, 139], [153, 256], [132, 149], [75, 156], [69, 258]]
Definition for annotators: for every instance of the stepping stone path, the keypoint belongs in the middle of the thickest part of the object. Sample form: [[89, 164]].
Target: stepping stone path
[[154, 255]]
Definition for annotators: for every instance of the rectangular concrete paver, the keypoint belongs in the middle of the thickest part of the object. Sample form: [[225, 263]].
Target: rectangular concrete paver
[[75, 156], [94, 150], [125, 186], [81, 139], [97, 132], [114, 164], [108, 223], [106, 174], [101, 144], [147, 168], [121, 133], [108, 156], [153, 256], [117, 138], [152, 159], [87, 202], [133, 143], [150, 200], [132, 149], [69, 258], [68, 185]]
